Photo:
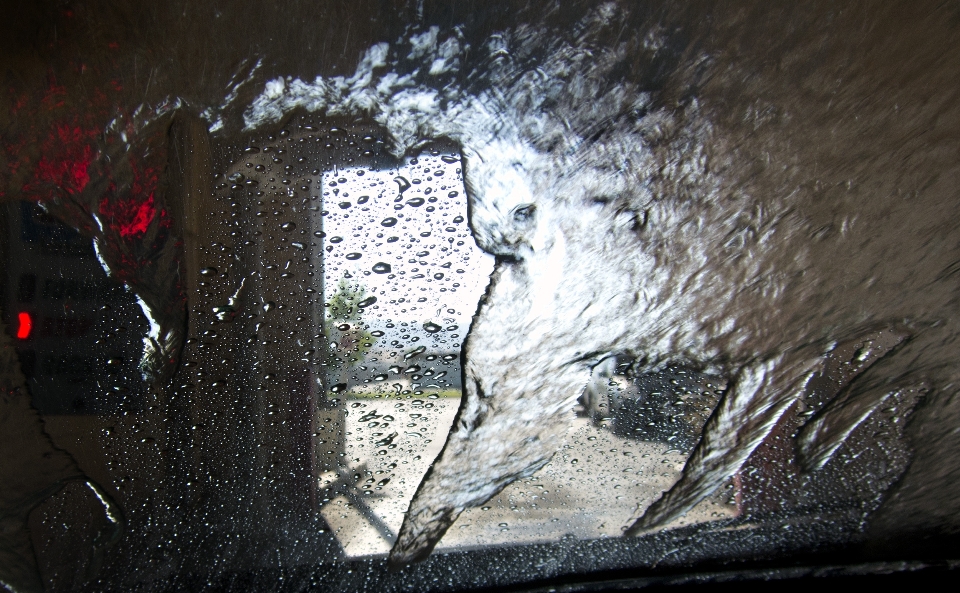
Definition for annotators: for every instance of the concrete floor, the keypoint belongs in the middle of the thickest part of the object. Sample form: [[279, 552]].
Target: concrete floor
[[591, 489]]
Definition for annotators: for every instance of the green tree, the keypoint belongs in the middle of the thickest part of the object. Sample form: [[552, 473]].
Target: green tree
[[347, 336]]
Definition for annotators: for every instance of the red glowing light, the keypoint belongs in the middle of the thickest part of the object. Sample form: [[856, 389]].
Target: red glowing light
[[127, 216], [26, 324]]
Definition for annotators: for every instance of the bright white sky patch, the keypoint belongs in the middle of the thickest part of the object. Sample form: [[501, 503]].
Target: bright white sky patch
[[437, 272]]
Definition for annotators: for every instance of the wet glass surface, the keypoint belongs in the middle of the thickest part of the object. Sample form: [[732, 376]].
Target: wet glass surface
[[80, 333], [419, 298]]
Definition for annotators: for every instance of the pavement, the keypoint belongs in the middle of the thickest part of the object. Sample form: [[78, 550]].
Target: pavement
[[593, 488]]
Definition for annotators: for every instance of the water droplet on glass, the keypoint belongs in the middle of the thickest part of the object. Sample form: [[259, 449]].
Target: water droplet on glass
[[268, 306], [225, 314], [354, 255], [344, 205], [438, 276], [381, 268], [415, 202], [288, 226], [251, 150], [403, 183], [339, 387], [415, 352], [367, 302], [388, 221], [343, 327], [448, 159], [431, 327], [384, 443], [208, 272], [298, 245], [377, 333]]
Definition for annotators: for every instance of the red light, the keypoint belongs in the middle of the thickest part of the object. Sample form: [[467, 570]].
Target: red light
[[26, 324]]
